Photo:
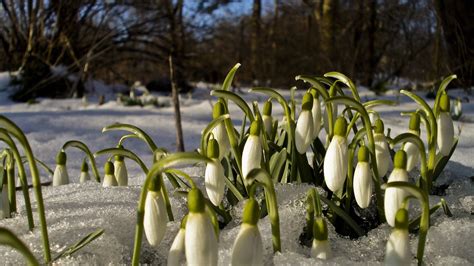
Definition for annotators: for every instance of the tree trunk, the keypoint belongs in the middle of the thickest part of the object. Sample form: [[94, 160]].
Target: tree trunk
[[255, 39], [177, 112], [371, 38], [458, 30], [328, 29]]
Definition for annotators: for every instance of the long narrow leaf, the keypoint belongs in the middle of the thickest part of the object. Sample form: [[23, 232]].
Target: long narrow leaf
[[7, 238], [236, 99], [341, 213], [80, 244], [82, 146]]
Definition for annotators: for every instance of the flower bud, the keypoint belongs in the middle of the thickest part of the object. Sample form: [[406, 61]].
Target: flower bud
[[155, 217], [336, 159], [394, 197], [109, 178], [215, 181], [120, 171], [363, 179], [177, 248], [304, 126], [252, 153], [4, 202], [219, 132], [398, 245], [316, 112], [445, 127], [382, 150], [320, 248], [84, 177], [60, 176]]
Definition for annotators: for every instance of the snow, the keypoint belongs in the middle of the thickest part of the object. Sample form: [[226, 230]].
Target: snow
[[74, 210]]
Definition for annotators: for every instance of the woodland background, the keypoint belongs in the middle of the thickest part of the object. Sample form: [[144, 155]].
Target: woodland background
[[375, 42]]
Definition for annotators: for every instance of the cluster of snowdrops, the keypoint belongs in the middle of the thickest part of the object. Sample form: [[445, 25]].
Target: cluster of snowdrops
[[348, 170]]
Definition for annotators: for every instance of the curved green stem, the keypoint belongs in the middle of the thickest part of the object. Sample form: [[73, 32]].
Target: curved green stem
[[22, 174], [157, 169], [425, 215], [265, 179], [441, 90], [125, 153], [13, 129], [124, 137], [83, 147], [230, 77], [347, 81], [135, 130], [207, 131], [236, 99], [9, 239]]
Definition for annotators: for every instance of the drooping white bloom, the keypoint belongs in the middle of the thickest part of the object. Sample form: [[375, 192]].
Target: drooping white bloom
[[304, 131], [382, 150], [445, 133], [84, 177], [155, 218], [4, 203], [267, 117], [321, 249], [120, 172], [200, 237], [109, 178], [60, 176], [248, 246], [394, 197], [220, 132], [252, 153], [316, 112], [413, 155], [363, 179], [177, 249], [397, 251], [214, 181], [335, 161]]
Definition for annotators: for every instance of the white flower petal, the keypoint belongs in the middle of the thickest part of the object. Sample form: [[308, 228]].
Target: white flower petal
[[413, 155], [121, 174], [248, 247], [363, 184], [267, 123], [84, 177], [321, 249], [177, 249], [200, 240], [220, 134], [304, 131], [252, 155], [109, 181], [214, 181], [382, 153], [155, 218], [445, 133], [398, 248], [60, 176], [335, 163], [394, 196], [316, 112]]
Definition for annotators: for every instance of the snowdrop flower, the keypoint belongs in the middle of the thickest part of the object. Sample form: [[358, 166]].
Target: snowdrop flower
[[394, 196], [398, 245], [4, 202], [304, 126], [267, 117], [320, 248], [177, 247], [214, 175], [200, 239], [155, 218], [220, 132], [120, 172], [413, 153], [445, 127], [363, 179], [60, 176], [109, 178], [382, 151], [316, 112], [248, 246], [457, 109], [335, 161], [252, 154], [84, 177]]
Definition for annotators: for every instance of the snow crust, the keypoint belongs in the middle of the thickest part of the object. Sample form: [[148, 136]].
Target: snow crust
[[74, 210]]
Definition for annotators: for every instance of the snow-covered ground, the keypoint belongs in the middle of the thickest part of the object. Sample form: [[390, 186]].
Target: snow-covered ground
[[75, 210]]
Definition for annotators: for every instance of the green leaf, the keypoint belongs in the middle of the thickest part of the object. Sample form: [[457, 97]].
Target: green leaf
[[341, 213], [207, 131], [276, 163], [7, 238], [230, 77], [443, 160], [374, 103], [41, 163], [80, 244], [135, 130], [236, 99], [316, 84], [441, 90], [347, 81]]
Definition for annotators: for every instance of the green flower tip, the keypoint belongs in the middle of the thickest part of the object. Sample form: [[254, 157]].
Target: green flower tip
[[155, 184], [379, 127], [363, 154], [401, 219], [218, 110], [61, 158], [315, 93], [109, 168], [255, 128], [444, 103], [84, 166], [320, 229], [307, 102], [414, 122], [400, 160], [341, 127], [267, 108], [183, 222], [251, 212], [213, 149], [196, 200]]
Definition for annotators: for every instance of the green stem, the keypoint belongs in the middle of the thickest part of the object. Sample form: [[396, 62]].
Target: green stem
[[13, 129], [11, 183], [125, 153], [83, 147], [9, 239], [135, 130]]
